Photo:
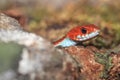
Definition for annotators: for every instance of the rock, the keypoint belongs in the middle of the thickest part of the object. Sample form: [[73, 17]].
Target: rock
[[90, 69], [96, 64], [8, 23], [17, 14], [39, 59], [115, 70]]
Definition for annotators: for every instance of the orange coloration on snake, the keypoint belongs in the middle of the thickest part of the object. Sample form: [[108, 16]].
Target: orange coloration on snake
[[79, 33]]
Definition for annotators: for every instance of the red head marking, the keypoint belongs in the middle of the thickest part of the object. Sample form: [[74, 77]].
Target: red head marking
[[82, 31], [79, 33]]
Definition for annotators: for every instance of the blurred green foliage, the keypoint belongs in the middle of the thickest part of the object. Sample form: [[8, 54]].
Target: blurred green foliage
[[9, 54]]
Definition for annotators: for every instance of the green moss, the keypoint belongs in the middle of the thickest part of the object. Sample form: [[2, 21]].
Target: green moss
[[106, 61]]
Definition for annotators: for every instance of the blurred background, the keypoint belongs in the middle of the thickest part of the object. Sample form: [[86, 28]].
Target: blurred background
[[56, 17], [51, 19]]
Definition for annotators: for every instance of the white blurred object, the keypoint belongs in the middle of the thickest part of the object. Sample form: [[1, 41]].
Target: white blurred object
[[38, 57], [8, 75]]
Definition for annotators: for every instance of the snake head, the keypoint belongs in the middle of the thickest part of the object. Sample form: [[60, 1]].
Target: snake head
[[82, 33], [78, 34]]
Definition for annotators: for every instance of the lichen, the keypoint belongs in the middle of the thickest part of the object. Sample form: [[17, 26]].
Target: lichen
[[106, 60]]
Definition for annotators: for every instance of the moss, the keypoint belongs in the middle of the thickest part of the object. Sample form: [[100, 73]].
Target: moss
[[106, 60]]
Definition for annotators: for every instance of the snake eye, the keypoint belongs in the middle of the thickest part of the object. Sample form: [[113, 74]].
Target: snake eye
[[83, 30]]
